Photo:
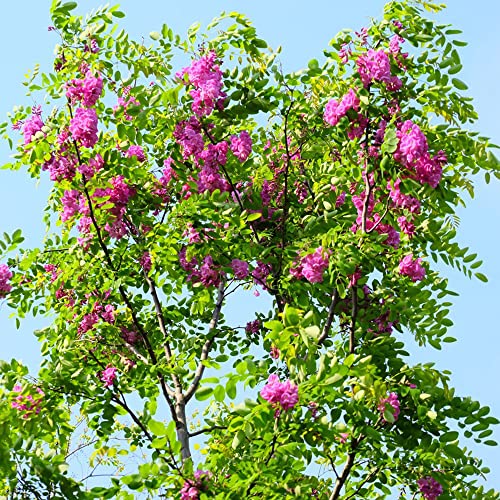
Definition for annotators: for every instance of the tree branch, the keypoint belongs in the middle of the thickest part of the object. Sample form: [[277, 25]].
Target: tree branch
[[329, 320], [354, 314], [339, 483], [205, 351]]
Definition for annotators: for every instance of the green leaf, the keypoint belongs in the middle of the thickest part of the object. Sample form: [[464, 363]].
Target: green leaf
[[219, 393], [157, 428], [448, 436], [459, 84], [155, 35], [203, 393], [481, 277]]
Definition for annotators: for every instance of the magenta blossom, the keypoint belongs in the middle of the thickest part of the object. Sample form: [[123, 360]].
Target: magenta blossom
[[136, 151], [429, 488], [241, 145], [5, 276], [31, 126], [412, 268], [240, 268], [391, 401], [280, 394], [191, 489], [108, 376], [27, 404], [83, 127], [374, 66], [312, 266]]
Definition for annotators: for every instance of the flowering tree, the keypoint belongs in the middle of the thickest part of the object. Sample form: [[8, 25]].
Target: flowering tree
[[329, 191]]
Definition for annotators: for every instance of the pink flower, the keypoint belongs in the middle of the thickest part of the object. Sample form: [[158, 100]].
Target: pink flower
[[429, 488], [412, 268], [373, 66], [5, 276], [145, 262], [412, 143], [314, 265], [206, 77], [209, 274], [280, 394], [260, 273], [108, 376], [87, 90], [241, 145], [406, 226], [72, 202], [83, 127], [334, 111], [192, 488], [392, 401], [188, 135], [240, 268], [253, 326], [403, 200], [31, 126], [130, 336], [27, 403], [136, 151]]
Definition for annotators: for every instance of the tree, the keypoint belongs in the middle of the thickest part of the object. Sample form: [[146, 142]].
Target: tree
[[328, 190]]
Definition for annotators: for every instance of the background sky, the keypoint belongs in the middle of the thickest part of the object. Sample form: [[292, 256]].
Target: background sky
[[303, 29]]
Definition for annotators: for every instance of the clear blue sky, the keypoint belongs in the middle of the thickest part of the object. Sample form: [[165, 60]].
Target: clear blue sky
[[303, 29]]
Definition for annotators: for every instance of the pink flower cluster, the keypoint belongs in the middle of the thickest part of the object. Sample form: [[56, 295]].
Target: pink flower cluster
[[392, 401], [125, 101], [412, 268], [188, 135], [31, 126], [61, 167], [253, 326], [403, 200], [374, 66], [87, 90], [73, 203], [119, 195], [137, 152], [208, 274], [106, 313], [334, 110], [209, 178], [108, 376], [240, 268], [27, 404], [284, 395], [145, 262], [429, 488], [241, 145], [206, 77], [5, 276], [191, 489], [312, 266], [83, 127], [413, 152]]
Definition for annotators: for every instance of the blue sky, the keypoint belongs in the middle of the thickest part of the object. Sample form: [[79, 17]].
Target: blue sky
[[303, 29]]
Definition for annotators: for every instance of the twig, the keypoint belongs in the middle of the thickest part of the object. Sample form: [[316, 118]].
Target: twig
[[205, 351], [329, 319]]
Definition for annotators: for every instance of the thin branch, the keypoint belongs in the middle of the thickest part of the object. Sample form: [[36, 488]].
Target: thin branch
[[368, 478], [354, 314], [78, 448], [329, 319], [339, 483], [208, 429], [381, 218], [205, 351]]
